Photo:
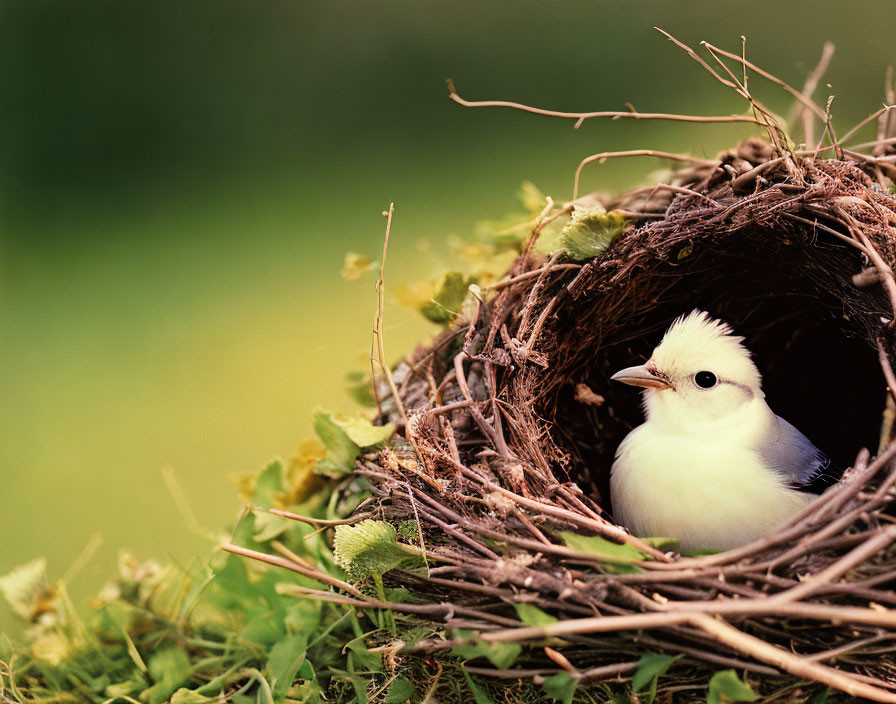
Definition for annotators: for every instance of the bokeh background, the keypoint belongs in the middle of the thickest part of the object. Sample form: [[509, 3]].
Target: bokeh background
[[179, 182]]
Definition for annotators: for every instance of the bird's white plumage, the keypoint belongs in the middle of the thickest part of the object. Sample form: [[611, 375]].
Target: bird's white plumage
[[695, 469]]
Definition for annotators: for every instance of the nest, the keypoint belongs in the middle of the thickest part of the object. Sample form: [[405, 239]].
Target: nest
[[511, 424]]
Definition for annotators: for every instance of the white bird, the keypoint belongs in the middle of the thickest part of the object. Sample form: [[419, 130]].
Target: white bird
[[712, 465]]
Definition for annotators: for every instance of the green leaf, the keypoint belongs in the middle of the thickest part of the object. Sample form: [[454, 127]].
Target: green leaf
[[663, 544], [125, 689], [561, 687], [303, 616], [533, 616], [650, 667], [360, 387], [448, 298], [590, 231], [189, 696], [414, 635], [341, 451], [701, 552], [362, 432], [269, 526], [344, 438], [479, 695], [284, 661], [169, 670], [726, 686], [268, 485], [602, 549], [822, 696], [370, 548], [401, 690], [368, 661], [531, 198], [501, 655]]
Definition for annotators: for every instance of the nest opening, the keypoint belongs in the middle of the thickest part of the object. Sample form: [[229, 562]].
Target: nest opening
[[818, 361]]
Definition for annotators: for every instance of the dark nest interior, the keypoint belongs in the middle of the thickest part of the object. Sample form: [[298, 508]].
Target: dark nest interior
[[782, 283], [508, 423]]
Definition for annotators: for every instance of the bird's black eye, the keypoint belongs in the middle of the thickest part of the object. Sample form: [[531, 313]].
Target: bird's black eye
[[705, 380]]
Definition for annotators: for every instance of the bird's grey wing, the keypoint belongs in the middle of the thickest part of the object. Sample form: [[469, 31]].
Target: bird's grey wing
[[793, 455]]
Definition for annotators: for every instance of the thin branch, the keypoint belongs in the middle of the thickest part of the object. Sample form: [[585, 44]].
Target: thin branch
[[320, 521], [378, 324], [812, 80], [636, 152], [787, 661], [803, 99], [580, 117]]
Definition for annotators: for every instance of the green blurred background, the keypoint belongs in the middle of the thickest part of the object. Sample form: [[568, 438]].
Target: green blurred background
[[179, 182]]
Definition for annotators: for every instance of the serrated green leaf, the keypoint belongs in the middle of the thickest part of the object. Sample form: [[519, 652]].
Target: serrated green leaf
[[725, 686], [602, 549], [479, 695], [284, 661], [501, 655], [561, 687], [408, 531], [590, 231], [370, 548], [401, 690], [531, 615], [448, 299]]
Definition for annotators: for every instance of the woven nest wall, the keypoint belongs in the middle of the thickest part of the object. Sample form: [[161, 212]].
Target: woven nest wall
[[511, 425]]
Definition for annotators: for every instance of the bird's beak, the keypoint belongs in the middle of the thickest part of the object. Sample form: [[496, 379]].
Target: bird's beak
[[644, 375]]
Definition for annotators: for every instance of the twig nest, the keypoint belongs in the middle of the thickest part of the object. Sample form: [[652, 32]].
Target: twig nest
[[513, 425]]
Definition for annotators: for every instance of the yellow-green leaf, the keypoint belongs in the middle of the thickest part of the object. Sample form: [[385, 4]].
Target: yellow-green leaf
[[590, 231], [726, 686], [663, 544], [362, 432], [531, 198], [531, 615], [370, 548], [602, 549], [448, 298], [501, 655], [355, 266], [561, 687], [26, 589]]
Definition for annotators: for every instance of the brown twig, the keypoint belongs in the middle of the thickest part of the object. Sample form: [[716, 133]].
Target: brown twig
[[580, 117]]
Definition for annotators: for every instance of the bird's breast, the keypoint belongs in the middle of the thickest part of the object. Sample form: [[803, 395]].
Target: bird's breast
[[705, 491]]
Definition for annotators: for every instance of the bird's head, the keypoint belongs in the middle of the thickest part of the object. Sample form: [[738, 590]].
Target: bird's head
[[700, 371]]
